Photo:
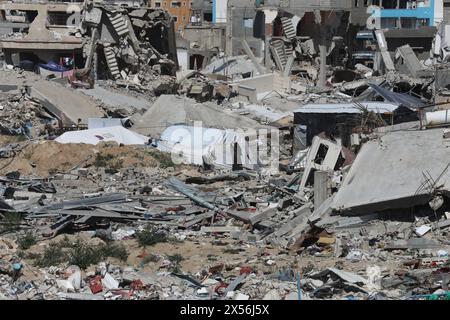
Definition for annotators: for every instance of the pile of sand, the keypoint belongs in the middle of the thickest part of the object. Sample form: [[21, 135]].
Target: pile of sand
[[48, 157]]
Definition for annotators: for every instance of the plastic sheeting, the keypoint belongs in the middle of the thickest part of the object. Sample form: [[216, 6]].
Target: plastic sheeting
[[195, 145], [52, 66], [402, 99], [93, 136]]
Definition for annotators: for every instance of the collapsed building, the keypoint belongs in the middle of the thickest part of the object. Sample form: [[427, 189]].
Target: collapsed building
[[359, 179], [294, 38], [112, 41]]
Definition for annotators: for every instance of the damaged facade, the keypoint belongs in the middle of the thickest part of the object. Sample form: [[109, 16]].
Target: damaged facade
[[112, 42]]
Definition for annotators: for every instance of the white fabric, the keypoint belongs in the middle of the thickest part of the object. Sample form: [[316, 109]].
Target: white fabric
[[93, 136], [195, 145]]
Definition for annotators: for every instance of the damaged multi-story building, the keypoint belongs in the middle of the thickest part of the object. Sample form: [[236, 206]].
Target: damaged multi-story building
[[179, 10], [403, 21], [113, 41], [205, 32], [290, 35], [270, 30]]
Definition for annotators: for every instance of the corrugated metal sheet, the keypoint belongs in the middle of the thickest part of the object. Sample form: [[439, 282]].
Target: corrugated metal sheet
[[403, 99], [378, 107]]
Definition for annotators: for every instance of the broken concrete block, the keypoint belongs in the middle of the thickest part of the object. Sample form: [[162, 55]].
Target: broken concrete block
[[220, 229], [272, 295], [422, 230], [284, 203]]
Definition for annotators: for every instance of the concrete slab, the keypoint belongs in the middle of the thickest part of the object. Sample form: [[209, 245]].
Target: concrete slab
[[170, 110], [66, 104], [115, 99], [396, 171]]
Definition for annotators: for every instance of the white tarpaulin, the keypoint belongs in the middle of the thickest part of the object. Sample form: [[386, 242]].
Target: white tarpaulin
[[93, 136], [195, 145]]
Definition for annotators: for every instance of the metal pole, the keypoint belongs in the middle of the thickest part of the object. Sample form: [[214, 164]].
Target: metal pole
[[299, 291]]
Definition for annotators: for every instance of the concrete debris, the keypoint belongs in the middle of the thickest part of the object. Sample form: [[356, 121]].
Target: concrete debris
[[291, 158]]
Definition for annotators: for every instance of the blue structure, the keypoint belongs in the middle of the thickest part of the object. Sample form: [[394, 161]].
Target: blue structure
[[214, 14], [423, 14]]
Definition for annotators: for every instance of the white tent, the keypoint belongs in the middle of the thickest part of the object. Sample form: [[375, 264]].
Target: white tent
[[215, 147], [118, 134]]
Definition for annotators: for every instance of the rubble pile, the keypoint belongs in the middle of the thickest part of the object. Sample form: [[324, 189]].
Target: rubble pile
[[23, 115], [128, 39], [245, 179], [270, 229]]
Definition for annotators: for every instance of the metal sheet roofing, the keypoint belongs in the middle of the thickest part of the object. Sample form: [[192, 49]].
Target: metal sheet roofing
[[378, 107]]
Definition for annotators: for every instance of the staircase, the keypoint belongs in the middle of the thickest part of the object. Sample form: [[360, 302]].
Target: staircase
[[112, 62], [119, 23], [288, 28], [281, 53]]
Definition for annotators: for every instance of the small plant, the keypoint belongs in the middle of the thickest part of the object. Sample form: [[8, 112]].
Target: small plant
[[114, 251], [102, 160], [82, 255], [150, 236], [116, 165], [79, 254], [26, 241], [164, 159], [30, 255], [53, 255], [108, 161], [175, 260], [21, 138], [212, 257], [10, 222], [65, 242], [231, 250]]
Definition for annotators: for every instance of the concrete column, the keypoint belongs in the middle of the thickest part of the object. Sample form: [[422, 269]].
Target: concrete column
[[323, 62], [229, 32], [320, 187], [95, 65], [267, 60]]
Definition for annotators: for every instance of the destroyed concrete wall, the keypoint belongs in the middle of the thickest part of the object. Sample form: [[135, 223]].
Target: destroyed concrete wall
[[394, 171], [42, 36], [115, 41], [205, 42], [241, 18]]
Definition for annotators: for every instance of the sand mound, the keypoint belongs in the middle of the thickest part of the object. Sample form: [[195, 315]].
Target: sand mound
[[45, 158]]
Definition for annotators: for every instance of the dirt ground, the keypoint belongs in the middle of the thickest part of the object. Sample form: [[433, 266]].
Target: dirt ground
[[47, 157], [207, 252]]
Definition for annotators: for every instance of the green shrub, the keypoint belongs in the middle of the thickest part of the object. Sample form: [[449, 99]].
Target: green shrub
[[52, 256], [108, 161], [27, 240], [164, 159], [150, 236], [79, 254], [175, 259], [114, 251], [10, 222]]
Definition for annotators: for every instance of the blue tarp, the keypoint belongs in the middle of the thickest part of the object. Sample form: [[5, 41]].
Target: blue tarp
[[52, 66]]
